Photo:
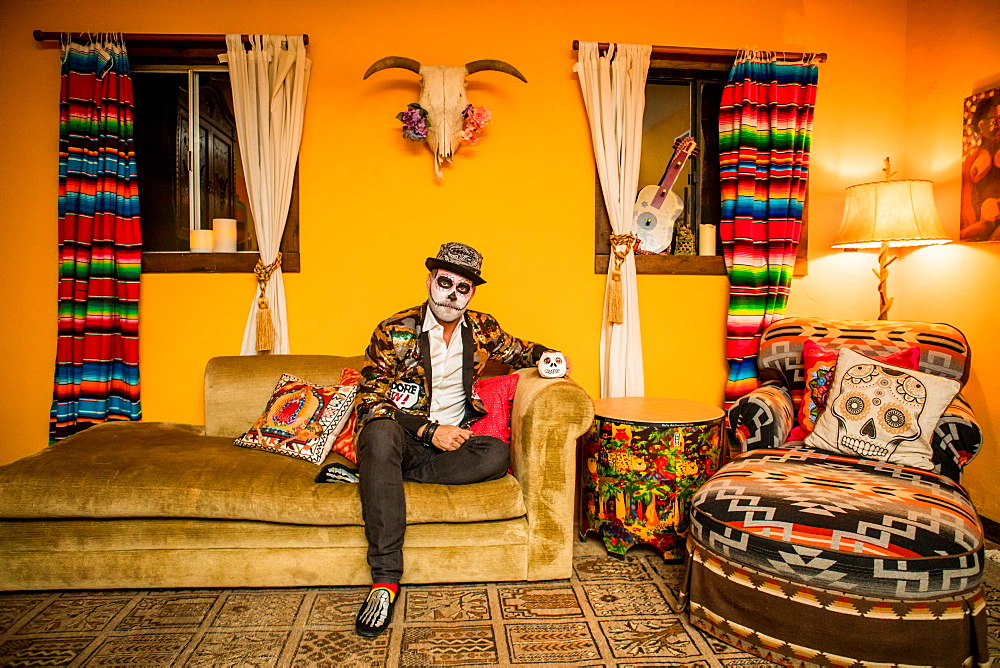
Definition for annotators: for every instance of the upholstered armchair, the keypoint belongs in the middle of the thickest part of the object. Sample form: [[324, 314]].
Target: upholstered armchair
[[808, 557]]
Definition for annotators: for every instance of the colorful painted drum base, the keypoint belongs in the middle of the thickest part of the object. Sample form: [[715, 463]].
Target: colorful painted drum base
[[637, 479]]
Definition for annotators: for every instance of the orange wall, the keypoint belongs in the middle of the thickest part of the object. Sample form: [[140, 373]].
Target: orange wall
[[371, 208], [951, 54]]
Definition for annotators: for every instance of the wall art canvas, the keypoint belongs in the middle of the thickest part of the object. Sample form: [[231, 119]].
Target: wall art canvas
[[980, 212]]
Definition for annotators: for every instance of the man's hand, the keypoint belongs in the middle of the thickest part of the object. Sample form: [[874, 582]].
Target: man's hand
[[448, 437]]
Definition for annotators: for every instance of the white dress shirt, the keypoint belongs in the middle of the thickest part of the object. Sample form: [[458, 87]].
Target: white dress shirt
[[447, 392]]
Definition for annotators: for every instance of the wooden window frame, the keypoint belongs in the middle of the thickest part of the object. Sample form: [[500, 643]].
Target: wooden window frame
[[697, 66], [183, 53]]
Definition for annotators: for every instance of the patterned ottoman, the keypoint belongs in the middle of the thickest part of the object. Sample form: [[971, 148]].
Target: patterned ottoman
[[809, 558]]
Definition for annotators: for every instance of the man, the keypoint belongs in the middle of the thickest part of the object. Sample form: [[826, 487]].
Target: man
[[980, 212], [415, 403]]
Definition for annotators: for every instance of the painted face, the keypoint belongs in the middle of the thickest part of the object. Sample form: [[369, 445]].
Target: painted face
[[449, 295], [989, 126]]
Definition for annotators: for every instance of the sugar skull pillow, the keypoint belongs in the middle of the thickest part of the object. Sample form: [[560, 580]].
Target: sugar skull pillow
[[881, 411], [818, 367]]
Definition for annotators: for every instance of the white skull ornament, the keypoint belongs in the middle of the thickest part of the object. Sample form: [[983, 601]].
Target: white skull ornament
[[878, 408], [552, 364]]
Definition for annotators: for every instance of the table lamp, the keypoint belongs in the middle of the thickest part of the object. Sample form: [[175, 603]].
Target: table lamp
[[890, 213]]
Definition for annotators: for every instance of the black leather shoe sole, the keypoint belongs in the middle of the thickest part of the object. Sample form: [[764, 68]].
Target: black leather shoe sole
[[337, 473]]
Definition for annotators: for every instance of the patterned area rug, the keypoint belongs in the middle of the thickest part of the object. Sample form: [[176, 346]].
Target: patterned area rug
[[610, 613]]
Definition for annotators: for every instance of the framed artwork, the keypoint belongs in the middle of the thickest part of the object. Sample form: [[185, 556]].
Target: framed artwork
[[980, 213]]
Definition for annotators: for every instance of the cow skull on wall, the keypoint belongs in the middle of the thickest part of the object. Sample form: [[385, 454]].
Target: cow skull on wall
[[442, 97]]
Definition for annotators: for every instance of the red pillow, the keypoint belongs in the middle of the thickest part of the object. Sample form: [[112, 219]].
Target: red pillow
[[497, 395], [344, 445], [819, 365]]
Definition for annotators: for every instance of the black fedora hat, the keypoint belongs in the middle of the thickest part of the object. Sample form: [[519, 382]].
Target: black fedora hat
[[460, 259]]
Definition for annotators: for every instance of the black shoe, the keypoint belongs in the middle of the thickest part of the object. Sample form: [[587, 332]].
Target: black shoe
[[337, 473], [375, 613]]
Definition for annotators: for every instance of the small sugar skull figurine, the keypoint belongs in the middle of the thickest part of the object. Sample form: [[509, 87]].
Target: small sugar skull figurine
[[552, 364]]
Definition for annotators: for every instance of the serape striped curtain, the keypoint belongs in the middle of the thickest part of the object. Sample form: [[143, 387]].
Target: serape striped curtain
[[765, 124], [100, 247]]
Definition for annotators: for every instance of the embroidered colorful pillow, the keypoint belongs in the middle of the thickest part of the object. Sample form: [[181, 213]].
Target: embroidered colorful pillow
[[819, 364], [497, 395], [883, 412], [301, 419], [344, 445]]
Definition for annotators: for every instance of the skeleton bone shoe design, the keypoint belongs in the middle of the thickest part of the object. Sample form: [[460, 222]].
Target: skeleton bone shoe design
[[376, 608], [552, 364], [878, 408]]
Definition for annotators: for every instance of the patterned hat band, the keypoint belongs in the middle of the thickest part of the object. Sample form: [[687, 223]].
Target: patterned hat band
[[460, 259]]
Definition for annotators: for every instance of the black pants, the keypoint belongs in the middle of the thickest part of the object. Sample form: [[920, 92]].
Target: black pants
[[388, 456]]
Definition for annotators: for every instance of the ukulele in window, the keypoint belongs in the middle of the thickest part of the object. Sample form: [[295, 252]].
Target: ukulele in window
[[658, 207]]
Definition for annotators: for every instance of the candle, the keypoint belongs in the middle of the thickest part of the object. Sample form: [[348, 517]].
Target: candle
[[201, 241], [225, 235], [706, 239]]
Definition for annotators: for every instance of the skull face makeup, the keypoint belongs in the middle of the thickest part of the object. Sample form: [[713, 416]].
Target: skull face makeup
[[878, 409], [552, 364], [449, 295]]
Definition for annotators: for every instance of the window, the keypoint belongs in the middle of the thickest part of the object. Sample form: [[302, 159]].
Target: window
[[683, 92], [173, 103]]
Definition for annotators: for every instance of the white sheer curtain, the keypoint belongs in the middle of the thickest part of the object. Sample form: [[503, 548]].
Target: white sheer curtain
[[614, 92], [269, 95]]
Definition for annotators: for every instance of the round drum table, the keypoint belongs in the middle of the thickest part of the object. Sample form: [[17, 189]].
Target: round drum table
[[641, 461]]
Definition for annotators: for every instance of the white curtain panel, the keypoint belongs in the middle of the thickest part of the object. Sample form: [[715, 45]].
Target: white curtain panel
[[269, 95], [614, 92]]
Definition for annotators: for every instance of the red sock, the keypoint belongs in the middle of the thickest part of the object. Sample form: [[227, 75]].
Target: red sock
[[390, 587]]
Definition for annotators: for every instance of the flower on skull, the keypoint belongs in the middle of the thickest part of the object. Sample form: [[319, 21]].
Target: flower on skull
[[414, 120], [476, 118], [415, 124]]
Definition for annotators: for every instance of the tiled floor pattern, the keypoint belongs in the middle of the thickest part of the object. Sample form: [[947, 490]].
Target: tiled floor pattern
[[611, 613]]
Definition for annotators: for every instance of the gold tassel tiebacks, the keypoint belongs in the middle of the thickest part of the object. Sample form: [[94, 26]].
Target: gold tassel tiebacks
[[621, 246], [265, 326]]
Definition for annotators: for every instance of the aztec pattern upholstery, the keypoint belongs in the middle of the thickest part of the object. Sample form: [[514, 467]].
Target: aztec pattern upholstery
[[865, 527], [811, 558], [763, 418], [802, 625], [798, 556], [943, 349]]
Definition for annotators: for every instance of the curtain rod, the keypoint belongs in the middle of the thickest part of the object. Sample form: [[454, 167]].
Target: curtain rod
[[709, 54], [142, 37]]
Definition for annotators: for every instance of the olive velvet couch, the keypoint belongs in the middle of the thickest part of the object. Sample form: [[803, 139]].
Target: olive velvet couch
[[150, 505]]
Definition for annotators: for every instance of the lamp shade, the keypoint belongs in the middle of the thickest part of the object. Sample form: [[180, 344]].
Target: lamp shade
[[900, 213]]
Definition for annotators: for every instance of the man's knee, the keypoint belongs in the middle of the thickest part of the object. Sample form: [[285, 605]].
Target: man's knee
[[496, 454], [380, 436]]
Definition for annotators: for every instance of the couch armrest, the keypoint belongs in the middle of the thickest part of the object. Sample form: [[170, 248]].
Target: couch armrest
[[548, 417], [957, 439], [763, 418]]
